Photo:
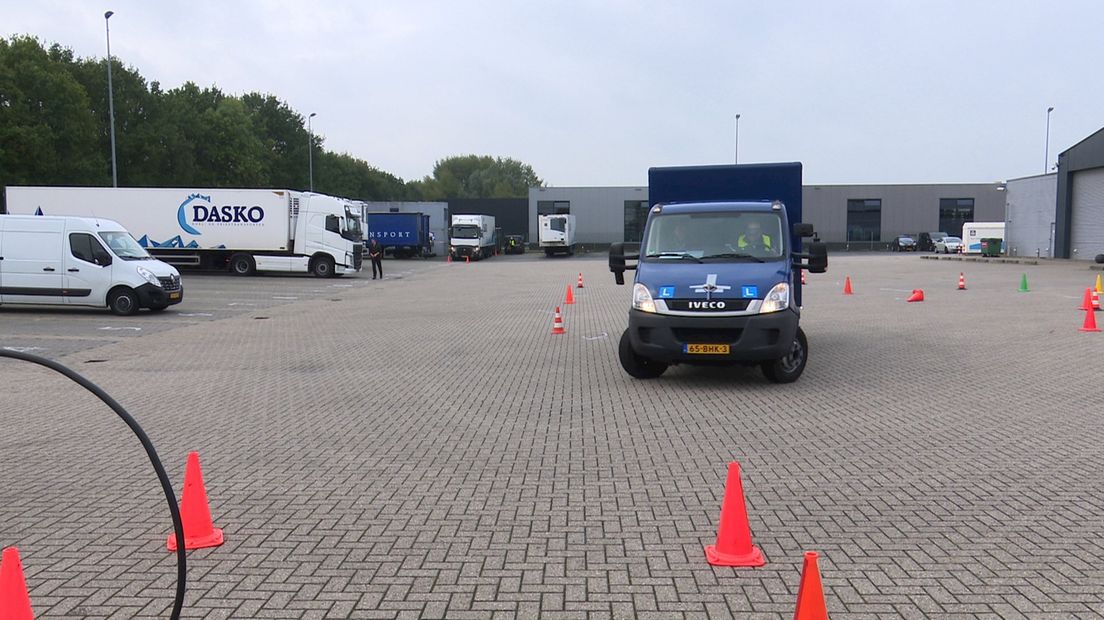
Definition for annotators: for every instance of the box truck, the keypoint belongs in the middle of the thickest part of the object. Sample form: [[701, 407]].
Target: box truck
[[556, 234], [74, 261], [401, 234], [242, 230], [974, 232], [717, 272], [472, 236]]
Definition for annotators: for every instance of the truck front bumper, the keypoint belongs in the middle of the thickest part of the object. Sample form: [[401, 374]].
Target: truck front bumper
[[751, 338]]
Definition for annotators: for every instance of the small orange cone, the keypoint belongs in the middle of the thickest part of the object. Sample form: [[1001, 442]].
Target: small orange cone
[[557, 322], [15, 603], [450, 258], [199, 532], [847, 286], [1086, 302], [1090, 322], [580, 284], [961, 281], [467, 259], [569, 300], [917, 295], [810, 594], [1094, 300], [734, 546]]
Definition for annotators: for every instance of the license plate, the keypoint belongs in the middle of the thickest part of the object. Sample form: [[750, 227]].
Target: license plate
[[707, 349], [174, 295]]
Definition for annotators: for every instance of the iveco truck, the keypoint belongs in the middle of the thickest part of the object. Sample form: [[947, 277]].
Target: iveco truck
[[472, 236], [717, 272], [240, 230]]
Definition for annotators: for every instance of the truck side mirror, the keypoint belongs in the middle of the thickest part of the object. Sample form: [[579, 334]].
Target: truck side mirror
[[619, 256], [803, 230], [818, 257]]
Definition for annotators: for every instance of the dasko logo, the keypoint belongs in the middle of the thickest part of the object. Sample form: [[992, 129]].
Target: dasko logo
[[201, 211]]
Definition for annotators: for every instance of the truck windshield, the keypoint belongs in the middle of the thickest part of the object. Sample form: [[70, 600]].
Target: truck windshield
[[352, 225], [558, 224], [124, 246], [715, 236], [465, 232]]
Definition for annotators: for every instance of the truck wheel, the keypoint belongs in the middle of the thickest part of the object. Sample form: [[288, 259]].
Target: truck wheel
[[790, 367], [323, 267], [242, 265], [122, 301], [635, 365]]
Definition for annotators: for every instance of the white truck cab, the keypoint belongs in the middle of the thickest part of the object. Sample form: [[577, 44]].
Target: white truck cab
[[77, 261]]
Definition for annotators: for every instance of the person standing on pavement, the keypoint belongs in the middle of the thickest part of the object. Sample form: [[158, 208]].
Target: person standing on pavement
[[375, 252]]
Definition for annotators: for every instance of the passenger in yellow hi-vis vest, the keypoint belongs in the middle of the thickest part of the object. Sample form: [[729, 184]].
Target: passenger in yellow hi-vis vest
[[753, 238]]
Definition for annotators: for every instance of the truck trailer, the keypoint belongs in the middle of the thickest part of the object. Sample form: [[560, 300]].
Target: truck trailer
[[717, 272], [472, 236], [974, 232], [240, 230], [556, 234], [400, 234]]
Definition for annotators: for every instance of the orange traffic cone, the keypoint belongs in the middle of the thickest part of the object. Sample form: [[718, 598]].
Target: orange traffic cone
[[450, 258], [1090, 322], [467, 259], [569, 300], [557, 323], [734, 546], [961, 281], [1094, 300], [917, 295], [15, 603], [199, 532], [810, 594], [580, 284], [847, 286], [1086, 302]]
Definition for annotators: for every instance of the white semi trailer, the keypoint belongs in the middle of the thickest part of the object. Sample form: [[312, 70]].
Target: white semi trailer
[[241, 230]]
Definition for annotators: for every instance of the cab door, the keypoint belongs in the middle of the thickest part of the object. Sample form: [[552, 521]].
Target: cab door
[[32, 262], [88, 274]]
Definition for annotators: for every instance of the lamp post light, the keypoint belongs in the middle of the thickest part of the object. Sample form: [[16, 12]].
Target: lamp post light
[[310, 149], [1046, 159], [110, 99], [737, 158]]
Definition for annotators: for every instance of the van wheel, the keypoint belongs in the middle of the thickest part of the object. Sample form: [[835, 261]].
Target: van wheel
[[123, 302], [790, 367], [635, 365], [242, 265], [323, 267]]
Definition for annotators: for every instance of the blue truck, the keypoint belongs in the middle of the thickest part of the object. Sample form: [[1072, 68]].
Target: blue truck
[[402, 235], [717, 278]]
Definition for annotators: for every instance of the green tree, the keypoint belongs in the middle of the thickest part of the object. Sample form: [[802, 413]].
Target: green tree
[[479, 176], [284, 140], [347, 176]]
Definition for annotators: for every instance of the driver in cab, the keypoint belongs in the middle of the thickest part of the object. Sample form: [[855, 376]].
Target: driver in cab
[[754, 239]]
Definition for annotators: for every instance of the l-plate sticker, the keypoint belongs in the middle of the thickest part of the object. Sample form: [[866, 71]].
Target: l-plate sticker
[[666, 292], [749, 292]]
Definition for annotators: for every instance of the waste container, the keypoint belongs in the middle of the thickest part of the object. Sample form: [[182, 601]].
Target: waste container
[[990, 247]]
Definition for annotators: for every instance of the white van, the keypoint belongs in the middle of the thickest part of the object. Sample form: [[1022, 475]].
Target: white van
[[77, 261]]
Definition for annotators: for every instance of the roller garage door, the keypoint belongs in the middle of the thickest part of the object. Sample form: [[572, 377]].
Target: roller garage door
[[1087, 229]]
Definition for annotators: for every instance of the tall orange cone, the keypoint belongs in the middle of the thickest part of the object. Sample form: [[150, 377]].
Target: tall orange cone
[[961, 281], [199, 532], [1086, 302], [734, 546], [810, 594], [15, 603], [580, 284], [917, 295], [557, 323], [1090, 322], [847, 286]]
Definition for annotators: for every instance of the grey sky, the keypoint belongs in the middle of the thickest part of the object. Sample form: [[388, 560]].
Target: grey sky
[[593, 93]]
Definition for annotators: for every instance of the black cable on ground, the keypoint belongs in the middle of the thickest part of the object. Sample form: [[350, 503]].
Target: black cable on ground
[[166, 485]]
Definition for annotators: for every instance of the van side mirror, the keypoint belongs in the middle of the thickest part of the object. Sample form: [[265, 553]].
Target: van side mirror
[[619, 256], [803, 230], [818, 257]]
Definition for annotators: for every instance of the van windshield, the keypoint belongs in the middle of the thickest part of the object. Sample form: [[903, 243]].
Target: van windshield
[[720, 236], [124, 246]]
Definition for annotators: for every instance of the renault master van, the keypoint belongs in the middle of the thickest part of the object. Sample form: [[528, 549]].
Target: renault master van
[[76, 261]]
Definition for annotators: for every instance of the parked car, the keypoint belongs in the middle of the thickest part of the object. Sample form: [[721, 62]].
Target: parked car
[[515, 244], [948, 245], [926, 242], [903, 243]]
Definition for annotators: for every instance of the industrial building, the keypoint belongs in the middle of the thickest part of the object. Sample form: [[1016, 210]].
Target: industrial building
[[1079, 215]]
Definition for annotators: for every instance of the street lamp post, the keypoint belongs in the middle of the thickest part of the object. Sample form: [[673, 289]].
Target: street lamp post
[[110, 99], [310, 149], [737, 159], [1046, 158]]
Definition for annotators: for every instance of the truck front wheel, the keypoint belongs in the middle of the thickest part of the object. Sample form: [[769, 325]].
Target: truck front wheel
[[635, 365], [787, 369], [323, 267]]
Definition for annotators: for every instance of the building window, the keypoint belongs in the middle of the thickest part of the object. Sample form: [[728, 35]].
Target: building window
[[953, 213], [636, 215], [553, 207], [864, 219]]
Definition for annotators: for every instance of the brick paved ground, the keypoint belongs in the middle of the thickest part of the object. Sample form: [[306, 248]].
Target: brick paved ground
[[422, 447]]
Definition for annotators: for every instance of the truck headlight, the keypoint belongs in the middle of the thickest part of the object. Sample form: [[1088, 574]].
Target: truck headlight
[[777, 299], [149, 277], [642, 299]]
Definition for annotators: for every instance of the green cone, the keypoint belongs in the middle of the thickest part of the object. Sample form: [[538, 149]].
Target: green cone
[[1023, 284]]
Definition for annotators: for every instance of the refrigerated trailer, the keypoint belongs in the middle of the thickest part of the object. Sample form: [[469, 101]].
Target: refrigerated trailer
[[240, 230]]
